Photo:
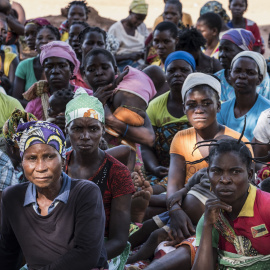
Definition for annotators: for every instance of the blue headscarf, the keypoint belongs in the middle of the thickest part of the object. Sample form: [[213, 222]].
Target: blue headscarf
[[180, 55]]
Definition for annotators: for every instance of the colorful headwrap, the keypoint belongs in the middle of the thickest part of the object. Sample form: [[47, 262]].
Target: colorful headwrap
[[242, 38], [36, 132], [10, 126], [38, 22], [199, 78], [180, 55], [83, 105], [139, 7], [59, 49], [257, 57], [216, 7]]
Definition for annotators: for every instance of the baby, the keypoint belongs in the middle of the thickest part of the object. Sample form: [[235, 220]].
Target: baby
[[57, 103], [130, 100]]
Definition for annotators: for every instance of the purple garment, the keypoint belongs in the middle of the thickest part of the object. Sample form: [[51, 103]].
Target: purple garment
[[36, 132], [35, 105]]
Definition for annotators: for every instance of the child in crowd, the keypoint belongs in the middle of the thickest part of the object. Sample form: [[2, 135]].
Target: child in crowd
[[209, 24], [76, 11], [57, 103], [130, 98], [73, 37], [74, 32], [238, 8]]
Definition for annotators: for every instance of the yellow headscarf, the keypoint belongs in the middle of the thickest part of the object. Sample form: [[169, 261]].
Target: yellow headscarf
[[139, 7]]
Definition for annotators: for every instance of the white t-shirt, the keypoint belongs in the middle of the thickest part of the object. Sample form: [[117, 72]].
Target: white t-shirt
[[128, 44], [262, 129]]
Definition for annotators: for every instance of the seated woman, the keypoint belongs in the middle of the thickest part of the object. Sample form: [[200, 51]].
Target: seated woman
[[85, 124], [191, 40], [131, 49], [248, 69], [165, 39], [63, 217], [233, 42], [167, 118], [76, 11], [30, 71], [30, 34], [200, 95], [238, 8], [209, 24], [234, 226], [60, 64]]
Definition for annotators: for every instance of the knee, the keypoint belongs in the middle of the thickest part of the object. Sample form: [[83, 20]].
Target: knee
[[159, 235]]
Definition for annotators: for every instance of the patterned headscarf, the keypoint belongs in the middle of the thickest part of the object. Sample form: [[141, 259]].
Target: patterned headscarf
[[38, 22], [36, 132], [139, 7], [59, 49], [84, 105], [242, 38], [10, 126], [216, 7]]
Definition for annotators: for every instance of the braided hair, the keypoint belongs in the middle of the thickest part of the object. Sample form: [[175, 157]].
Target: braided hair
[[82, 3], [53, 29]]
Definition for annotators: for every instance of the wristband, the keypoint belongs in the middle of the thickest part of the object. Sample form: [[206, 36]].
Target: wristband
[[125, 133]]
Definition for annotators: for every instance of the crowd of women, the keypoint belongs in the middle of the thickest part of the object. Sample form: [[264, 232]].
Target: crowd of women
[[131, 149]]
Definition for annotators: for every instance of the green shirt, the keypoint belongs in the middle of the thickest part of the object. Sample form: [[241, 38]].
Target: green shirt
[[7, 106], [25, 71], [158, 114]]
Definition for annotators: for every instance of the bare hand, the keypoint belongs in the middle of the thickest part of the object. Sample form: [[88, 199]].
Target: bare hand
[[212, 210], [161, 171], [177, 197], [181, 227], [104, 93]]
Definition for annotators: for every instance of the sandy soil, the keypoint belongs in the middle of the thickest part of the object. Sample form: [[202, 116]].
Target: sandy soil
[[258, 10]]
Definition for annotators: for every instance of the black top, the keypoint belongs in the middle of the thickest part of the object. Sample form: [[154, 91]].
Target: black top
[[70, 237]]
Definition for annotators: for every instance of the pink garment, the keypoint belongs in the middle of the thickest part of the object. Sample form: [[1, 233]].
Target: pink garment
[[79, 81], [59, 49], [138, 83], [35, 106]]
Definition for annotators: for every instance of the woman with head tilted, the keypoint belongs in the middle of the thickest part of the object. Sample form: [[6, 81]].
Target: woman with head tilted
[[233, 42], [57, 222], [235, 226]]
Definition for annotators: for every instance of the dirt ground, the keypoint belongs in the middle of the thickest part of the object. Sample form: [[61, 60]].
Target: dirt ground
[[258, 10]]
